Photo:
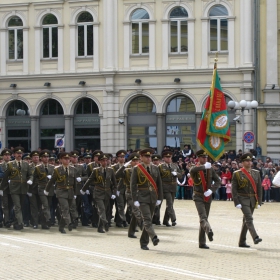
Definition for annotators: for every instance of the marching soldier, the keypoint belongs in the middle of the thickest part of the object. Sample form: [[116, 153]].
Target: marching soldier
[[146, 191], [65, 178], [124, 174], [247, 195], [19, 173], [35, 202], [120, 200], [203, 175], [7, 203], [169, 173], [42, 175], [76, 206], [104, 181]]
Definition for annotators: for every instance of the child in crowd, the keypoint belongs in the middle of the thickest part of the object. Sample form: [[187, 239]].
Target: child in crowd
[[266, 184], [228, 190], [189, 187]]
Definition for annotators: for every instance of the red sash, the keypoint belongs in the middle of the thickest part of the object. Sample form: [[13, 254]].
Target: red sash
[[148, 176], [252, 183], [204, 184]]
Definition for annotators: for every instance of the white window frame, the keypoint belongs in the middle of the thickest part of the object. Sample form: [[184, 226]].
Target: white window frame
[[85, 25], [139, 21], [218, 18], [15, 29], [49, 26], [179, 20]]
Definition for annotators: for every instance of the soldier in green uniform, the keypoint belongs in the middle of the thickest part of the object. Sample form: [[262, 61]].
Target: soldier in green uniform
[[104, 181], [42, 174], [247, 195], [7, 203], [19, 173], [169, 173], [146, 191], [76, 206], [65, 178], [124, 174], [202, 194]]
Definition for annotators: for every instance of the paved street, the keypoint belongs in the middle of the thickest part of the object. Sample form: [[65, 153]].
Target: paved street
[[84, 253]]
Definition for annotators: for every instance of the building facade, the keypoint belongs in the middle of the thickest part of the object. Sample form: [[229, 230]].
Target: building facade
[[117, 74]]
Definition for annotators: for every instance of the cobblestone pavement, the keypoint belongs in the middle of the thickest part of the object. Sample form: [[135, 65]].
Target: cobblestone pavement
[[86, 254]]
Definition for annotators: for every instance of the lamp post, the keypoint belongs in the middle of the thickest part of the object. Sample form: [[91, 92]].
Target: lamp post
[[242, 106]]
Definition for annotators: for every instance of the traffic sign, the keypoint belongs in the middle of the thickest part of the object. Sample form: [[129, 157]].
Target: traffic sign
[[249, 137], [59, 141]]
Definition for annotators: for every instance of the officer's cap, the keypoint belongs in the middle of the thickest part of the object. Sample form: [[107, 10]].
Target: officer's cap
[[121, 153], [156, 157], [44, 153], [247, 156], [134, 156], [167, 153], [19, 150], [201, 153], [147, 152], [6, 152]]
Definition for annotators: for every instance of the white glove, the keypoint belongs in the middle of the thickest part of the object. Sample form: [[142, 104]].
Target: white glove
[[127, 164], [1, 193], [78, 179], [46, 193], [208, 193], [82, 192], [49, 177], [158, 202], [207, 165], [238, 206], [87, 192], [174, 173], [29, 182], [259, 206], [9, 181], [29, 194], [113, 196], [136, 203], [118, 193], [75, 196]]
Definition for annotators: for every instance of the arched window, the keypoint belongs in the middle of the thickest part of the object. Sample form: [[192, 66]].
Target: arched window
[[178, 30], [52, 107], [142, 123], [86, 106], [140, 31], [15, 29], [17, 108], [50, 36], [85, 34], [218, 28]]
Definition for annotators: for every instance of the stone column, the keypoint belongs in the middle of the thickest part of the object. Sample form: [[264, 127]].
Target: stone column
[[191, 48], [35, 132], [3, 132], [60, 49], [160, 132], [3, 52], [72, 48], [126, 45], [25, 51], [231, 50], [165, 43], [152, 43], [204, 42], [37, 54], [95, 46], [68, 132]]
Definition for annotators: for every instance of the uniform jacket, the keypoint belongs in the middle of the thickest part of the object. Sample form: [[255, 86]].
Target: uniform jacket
[[32, 188], [81, 172], [141, 188], [41, 179], [3, 167], [116, 168], [242, 190], [18, 177], [90, 167], [103, 186], [65, 185], [124, 174], [198, 191], [169, 181]]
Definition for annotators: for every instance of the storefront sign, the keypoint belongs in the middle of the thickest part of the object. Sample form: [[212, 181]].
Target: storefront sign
[[18, 121], [180, 118], [85, 121]]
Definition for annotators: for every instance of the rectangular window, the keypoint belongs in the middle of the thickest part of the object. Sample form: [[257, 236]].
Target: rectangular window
[[145, 37], [11, 44], [54, 42], [224, 34], [135, 38], [18, 133], [46, 43], [95, 131], [90, 40], [174, 36], [51, 132], [184, 36], [19, 44], [81, 41], [213, 35]]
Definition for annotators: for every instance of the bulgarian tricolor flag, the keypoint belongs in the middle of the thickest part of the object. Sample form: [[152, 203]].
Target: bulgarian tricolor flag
[[214, 131]]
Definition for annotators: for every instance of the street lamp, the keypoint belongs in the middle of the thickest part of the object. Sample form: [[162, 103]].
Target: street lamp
[[243, 105]]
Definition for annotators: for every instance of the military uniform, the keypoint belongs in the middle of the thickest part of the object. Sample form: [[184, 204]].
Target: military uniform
[[203, 203], [104, 182], [169, 186], [245, 198], [147, 196], [65, 179], [19, 173]]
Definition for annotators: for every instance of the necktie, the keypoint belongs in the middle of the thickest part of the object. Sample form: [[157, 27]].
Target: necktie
[[104, 173], [66, 170], [148, 169], [19, 166], [169, 166], [46, 169]]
